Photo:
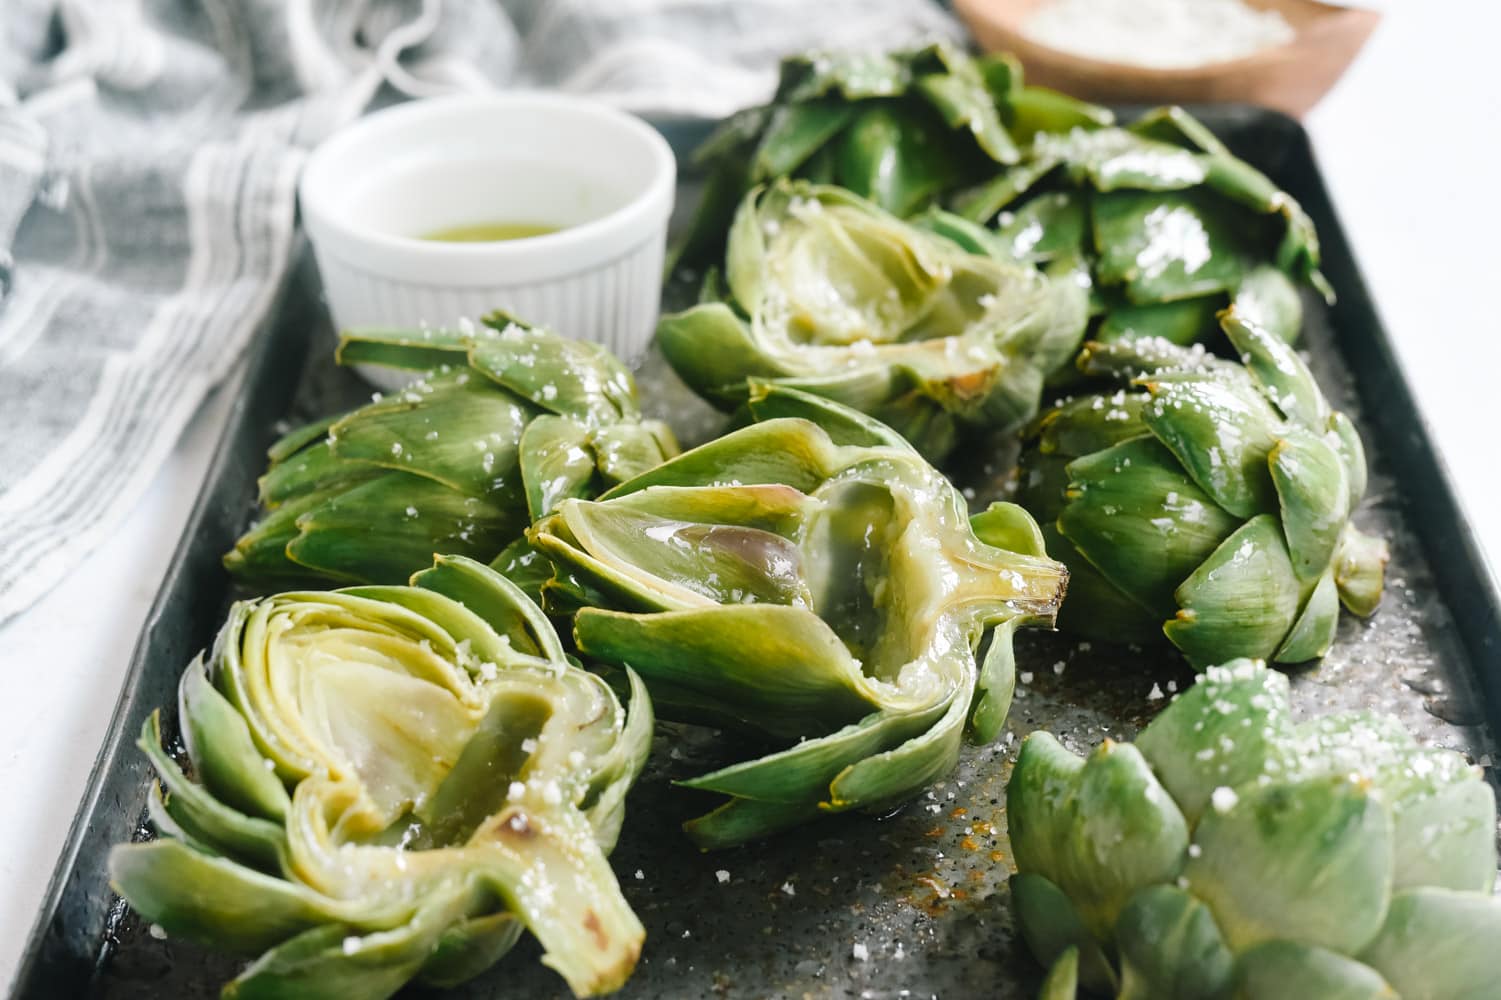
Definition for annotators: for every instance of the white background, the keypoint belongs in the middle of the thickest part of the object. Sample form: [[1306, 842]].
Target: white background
[[1409, 142]]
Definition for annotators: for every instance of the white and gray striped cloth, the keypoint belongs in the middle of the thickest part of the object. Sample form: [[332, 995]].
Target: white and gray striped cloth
[[149, 152]]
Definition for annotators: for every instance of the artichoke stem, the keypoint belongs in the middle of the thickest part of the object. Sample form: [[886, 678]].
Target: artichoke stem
[[547, 862]]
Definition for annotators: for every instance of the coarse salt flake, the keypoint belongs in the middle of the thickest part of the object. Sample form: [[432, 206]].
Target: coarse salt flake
[[1223, 799]]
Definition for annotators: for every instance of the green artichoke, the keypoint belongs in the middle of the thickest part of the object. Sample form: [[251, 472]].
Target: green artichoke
[[1232, 854], [1170, 223], [508, 420], [816, 585], [391, 783], [1212, 495], [831, 295], [899, 128]]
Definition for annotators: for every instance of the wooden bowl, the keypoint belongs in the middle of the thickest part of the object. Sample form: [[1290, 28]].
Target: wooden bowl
[[1290, 77]]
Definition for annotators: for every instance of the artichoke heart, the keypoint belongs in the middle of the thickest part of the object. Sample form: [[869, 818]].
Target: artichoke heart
[[389, 784], [1233, 853], [811, 581], [1211, 496], [502, 421], [831, 295]]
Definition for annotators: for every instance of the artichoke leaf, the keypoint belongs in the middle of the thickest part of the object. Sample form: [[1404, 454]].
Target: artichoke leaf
[[1163, 246], [893, 158], [1222, 433], [1310, 861], [1313, 633], [1051, 927], [299, 438], [331, 963], [214, 900], [1034, 110], [1054, 798], [970, 235], [807, 771], [311, 470], [1171, 124], [421, 350], [960, 97], [853, 75], [1230, 729], [469, 947], [224, 756], [1273, 363], [845, 427], [1347, 440], [1313, 496], [787, 451], [996, 686], [714, 350], [1359, 570], [1062, 982], [879, 781], [692, 562], [983, 202], [250, 840], [1433, 945], [1275, 970], [455, 429], [627, 449], [1268, 300], [1096, 607], [1443, 818], [1131, 512], [776, 668], [1182, 322], [793, 133], [1090, 424], [556, 463], [739, 821], [1170, 947], [495, 602], [1007, 526], [1241, 601], [1047, 227], [572, 378], [381, 528]]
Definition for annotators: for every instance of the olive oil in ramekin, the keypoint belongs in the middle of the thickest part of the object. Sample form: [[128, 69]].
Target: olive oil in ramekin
[[490, 232]]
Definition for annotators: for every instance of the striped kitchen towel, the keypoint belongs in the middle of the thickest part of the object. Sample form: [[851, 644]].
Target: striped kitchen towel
[[149, 152]]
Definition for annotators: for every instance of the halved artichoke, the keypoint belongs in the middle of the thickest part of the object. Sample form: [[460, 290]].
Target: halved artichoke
[[1230, 853], [389, 784], [834, 296], [816, 585], [507, 420], [1214, 496], [899, 128], [1170, 224]]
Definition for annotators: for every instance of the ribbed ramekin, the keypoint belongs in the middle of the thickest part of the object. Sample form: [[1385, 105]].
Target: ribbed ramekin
[[373, 190]]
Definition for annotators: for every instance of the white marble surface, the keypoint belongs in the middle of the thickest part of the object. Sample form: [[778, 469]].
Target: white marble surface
[[1409, 141]]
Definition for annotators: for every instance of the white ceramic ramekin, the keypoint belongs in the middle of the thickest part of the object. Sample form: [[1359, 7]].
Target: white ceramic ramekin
[[372, 190]]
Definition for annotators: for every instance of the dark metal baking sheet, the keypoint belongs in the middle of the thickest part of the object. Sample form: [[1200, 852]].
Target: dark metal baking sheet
[[909, 905]]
